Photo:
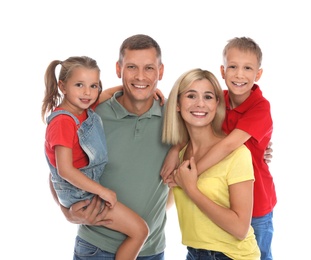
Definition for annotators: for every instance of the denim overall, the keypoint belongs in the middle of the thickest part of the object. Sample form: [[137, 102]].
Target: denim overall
[[93, 142]]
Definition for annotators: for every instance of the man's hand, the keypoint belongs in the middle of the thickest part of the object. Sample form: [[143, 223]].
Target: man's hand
[[268, 153], [87, 212]]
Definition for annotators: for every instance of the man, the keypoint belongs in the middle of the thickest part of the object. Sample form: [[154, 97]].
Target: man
[[132, 121]]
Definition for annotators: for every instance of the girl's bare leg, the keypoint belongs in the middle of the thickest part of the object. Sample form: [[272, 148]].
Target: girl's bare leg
[[133, 226]]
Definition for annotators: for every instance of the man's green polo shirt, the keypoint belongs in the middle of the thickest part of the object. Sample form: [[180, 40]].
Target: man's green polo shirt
[[135, 157]]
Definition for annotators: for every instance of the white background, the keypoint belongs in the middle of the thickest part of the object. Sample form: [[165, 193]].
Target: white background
[[191, 34]]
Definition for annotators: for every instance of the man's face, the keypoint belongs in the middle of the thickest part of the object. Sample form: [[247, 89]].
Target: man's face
[[140, 72]]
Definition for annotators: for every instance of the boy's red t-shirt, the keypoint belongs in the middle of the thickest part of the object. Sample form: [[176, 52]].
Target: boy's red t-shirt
[[254, 117]]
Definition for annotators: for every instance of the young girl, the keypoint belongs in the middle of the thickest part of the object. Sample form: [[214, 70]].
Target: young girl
[[214, 208], [75, 146]]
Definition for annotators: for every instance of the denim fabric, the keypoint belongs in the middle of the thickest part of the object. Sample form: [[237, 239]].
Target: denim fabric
[[202, 254], [85, 251], [93, 142], [263, 227]]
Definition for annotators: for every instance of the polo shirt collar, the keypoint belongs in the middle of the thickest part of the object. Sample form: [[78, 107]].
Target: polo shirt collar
[[249, 102]]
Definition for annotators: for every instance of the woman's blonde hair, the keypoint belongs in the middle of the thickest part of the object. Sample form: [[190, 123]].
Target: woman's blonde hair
[[174, 129]]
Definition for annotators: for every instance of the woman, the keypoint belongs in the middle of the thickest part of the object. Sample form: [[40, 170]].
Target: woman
[[215, 208]]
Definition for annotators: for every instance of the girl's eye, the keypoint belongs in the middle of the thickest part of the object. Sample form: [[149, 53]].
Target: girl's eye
[[94, 86], [80, 85]]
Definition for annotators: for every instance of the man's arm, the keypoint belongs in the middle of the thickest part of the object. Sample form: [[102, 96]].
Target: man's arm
[[84, 212]]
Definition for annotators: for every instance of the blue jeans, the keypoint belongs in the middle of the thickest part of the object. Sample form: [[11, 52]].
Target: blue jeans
[[85, 251], [202, 254], [263, 227]]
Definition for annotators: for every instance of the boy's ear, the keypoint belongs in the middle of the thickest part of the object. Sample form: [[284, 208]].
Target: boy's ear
[[258, 76], [222, 71]]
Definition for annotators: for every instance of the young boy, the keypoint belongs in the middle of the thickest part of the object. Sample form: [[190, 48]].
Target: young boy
[[248, 121]]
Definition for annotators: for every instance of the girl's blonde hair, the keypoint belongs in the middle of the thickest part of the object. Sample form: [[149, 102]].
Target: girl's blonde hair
[[52, 96]]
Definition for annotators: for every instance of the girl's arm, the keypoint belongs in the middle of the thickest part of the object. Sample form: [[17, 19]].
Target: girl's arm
[[77, 178], [222, 149], [236, 219], [108, 93]]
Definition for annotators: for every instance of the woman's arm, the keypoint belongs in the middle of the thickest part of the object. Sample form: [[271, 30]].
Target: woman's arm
[[236, 219]]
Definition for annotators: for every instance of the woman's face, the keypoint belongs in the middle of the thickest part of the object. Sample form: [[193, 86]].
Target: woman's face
[[198, 103]]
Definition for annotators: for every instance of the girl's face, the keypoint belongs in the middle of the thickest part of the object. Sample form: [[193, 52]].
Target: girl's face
[[80, 90], [198, 103]]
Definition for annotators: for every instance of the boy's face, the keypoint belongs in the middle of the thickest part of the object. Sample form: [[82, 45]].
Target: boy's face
[[240, 71]]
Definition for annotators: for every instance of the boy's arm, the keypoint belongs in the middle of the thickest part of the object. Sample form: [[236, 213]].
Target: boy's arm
[[223, 148]]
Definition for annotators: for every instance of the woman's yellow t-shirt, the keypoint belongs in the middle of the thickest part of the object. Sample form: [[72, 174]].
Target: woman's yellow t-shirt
[[197, 230]]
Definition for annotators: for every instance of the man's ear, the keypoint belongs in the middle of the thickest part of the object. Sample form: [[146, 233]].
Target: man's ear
[[118, 70]]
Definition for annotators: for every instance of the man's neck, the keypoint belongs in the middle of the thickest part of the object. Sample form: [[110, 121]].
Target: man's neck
[[135, 106]]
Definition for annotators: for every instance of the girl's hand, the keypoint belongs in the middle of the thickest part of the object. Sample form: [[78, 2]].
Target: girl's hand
[[159, 95], [110, 198]]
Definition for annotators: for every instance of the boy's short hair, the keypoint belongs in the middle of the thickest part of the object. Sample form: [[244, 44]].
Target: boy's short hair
[[245, 44]]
